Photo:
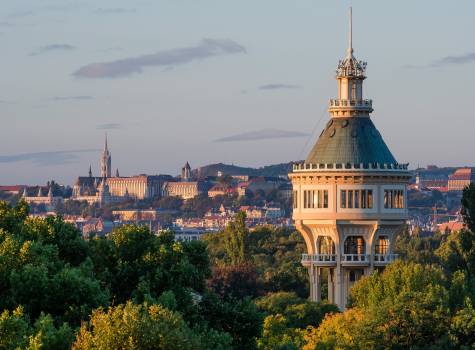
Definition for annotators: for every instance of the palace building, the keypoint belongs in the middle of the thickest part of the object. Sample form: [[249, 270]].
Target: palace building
[[349, 195], [186, 188], [106, 189], [49, 201]]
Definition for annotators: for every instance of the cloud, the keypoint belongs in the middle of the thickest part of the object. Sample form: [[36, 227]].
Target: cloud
[[73, 98], [130, 65], [114, 11], [52, 47], [263, 134], [460, 59], [278, 86], [46, 158], [109, 126], [446, 61]]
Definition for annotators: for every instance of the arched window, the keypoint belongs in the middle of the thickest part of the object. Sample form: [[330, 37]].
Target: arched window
[[382, 245], [326, 245], [355, 245]]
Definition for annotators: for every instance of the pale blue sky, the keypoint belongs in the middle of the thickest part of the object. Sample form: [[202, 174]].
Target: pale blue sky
[[186, 73]]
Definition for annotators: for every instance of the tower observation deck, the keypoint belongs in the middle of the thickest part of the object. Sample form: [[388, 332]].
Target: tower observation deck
[[349, 196]]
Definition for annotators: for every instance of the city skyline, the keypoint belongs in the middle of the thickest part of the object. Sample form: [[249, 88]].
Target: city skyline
[[196, 85]]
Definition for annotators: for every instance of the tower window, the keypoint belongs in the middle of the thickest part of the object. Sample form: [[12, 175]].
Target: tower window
[[393, 199], [295, 199], [382, 245], [353, 90], [356, 199], [315, 199], [354, 245], [343, 199]]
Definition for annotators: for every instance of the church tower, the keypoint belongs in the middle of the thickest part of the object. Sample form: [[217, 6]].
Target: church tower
[[186, 172], [106, 161], [349, 195]]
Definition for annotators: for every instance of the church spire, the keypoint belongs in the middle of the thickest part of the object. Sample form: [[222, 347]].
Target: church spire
[[106, 150], [90, 170], [106, 161]]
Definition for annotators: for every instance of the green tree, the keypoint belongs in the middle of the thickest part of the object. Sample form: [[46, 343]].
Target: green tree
[[462, 328], [468, 206], [236, 239], [238, 281], [13, 329], [406, 306], [299, 312], [457, 253], [16, 332], [277, 335], [238, 317], [143, 327]]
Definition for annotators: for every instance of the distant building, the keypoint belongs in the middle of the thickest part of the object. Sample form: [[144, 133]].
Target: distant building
[[136, 215], [219, 190], [138, 187], [182, 189], [242, 189], [240, 178], [106, 189], [48, 200], [186, 188], [253, 212], [285, 190], [274, 213], [186, 172], [97, 226], [188, 234], [460, 179], [451, 226], [17, 189]]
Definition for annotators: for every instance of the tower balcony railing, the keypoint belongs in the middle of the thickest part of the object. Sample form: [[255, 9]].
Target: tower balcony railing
[[350, 166], [319, 259], [351, 103], [348, 259], [383, 259], [355, 259]]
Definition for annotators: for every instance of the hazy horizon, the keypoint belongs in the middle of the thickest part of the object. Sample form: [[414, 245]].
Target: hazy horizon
[[244, 83]]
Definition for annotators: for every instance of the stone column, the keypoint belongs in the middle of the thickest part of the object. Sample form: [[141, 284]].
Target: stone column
[[315, 285], [339, 287], [331, 285]]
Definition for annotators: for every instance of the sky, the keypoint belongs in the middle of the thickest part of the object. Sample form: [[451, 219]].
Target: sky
[[241, 82]]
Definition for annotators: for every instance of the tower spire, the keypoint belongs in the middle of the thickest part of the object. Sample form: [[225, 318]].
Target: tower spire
[[105, 143], [350, 35]]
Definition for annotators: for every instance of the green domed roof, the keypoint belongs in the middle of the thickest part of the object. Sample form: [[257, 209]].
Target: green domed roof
[[352, 140]]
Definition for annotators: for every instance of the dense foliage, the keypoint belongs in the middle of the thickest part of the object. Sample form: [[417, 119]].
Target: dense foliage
[[52, 281], [272, 253]]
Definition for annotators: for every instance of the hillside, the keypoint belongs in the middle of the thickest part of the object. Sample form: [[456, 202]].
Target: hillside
[[227, 169]]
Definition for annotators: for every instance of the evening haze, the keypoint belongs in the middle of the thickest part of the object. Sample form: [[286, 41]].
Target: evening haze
[[243, 82]]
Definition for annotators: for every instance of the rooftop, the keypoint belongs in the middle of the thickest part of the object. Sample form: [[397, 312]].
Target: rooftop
[[350, 141]]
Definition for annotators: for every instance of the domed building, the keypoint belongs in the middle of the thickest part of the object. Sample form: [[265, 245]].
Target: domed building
[[349, 195]]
